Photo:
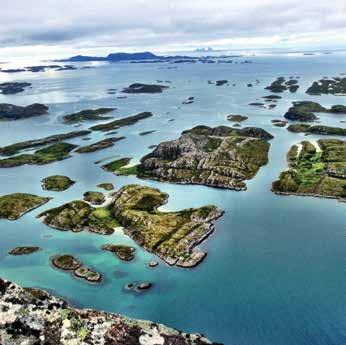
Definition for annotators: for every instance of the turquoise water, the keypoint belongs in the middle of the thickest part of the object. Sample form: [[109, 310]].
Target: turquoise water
[[276, 267]]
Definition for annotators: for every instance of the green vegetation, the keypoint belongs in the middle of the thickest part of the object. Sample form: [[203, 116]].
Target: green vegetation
[[88, 115], [123, 252], [57, 183], [126, 121], [100, 145], [30, 144], [50, 154], [119, 167], [13, 206], [316, 173]]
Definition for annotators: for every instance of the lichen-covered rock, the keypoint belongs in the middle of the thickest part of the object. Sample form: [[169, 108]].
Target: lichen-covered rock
[[13, 206], [219, 157], [170, 235], [32, 316]]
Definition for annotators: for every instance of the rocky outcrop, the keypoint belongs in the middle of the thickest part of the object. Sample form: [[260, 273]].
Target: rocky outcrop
[[144, 88], [334, 86], [32, 316], [57, 183], [15, 112], [219, 157], [10, 88], [281, 85]]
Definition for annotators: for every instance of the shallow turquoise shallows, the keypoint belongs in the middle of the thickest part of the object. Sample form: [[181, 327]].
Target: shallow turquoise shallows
[[275, 273]]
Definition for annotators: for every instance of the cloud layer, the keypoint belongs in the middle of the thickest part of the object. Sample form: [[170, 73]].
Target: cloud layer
[[167, 25]]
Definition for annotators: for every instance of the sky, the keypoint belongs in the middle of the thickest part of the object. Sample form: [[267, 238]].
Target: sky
[[97, 27]]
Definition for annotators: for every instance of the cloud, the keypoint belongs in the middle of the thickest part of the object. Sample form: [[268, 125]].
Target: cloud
[[164, 24]]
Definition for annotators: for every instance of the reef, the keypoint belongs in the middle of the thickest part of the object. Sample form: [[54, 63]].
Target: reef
[[88, 115], [32, 316], [219, 157], [13, 149], [144, 88], [13, 206], [57, 183], [49, 154], [10, 112], [100, 145], [315, 170], [125, 121]]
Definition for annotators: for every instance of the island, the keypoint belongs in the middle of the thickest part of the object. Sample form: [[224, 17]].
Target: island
[[49, 154], [120, 167], [281, 85], [170, 235], [123, 252], [125, 121], [24, 250], [334, 86], [10, 112], [237, 118], [68, 262], [304, 111], [106, 186], [10, 88], [94, 198], [13, 149], [218, 157], [100, 145], [317, 129], [144, 88], [57, 183], [13, 206], [34, 316], [315, 169], [88, 115]]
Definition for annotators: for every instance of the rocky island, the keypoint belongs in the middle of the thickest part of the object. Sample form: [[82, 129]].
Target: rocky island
[[334, 86], [281, 85], [57, 183], [10, 112], [144, 88], [125, 121], [122, 251], [32, 316], [24, 250], [94, 198], [237, 118], [13, 206], [88, 115], [315, 170], [10, 88], [316, 129], [100, 145], [219, 157]]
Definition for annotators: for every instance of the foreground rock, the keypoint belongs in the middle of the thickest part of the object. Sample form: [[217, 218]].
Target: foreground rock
[[80, 216], [49, 154], [317, 129], [170, 235], [13, 206], [57, 183], [30, 144], [88, 115], [125, 121], [14, 112], [304, 111], [33, 316], [123, 252], [315, 170], [144, 88], [219, 157], [10, 88], [334, 86], [23, 250]]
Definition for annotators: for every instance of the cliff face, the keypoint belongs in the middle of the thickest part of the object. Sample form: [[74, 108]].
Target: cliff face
[[32, 316], [217, 157]]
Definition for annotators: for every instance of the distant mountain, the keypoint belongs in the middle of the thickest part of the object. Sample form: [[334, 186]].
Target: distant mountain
[[115, 57]]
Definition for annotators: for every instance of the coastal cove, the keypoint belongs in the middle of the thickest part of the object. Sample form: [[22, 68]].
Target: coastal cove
[[275, 270]]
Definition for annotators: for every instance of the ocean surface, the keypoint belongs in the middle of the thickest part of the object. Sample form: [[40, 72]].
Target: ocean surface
[[275, 273]]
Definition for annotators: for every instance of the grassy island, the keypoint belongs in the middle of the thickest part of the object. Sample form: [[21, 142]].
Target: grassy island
[[57, 183]]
